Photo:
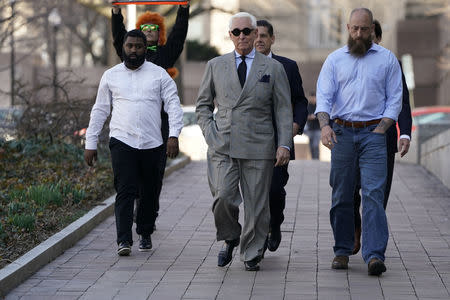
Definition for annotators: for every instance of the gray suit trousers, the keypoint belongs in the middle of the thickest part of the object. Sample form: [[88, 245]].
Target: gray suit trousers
[[225, 175]]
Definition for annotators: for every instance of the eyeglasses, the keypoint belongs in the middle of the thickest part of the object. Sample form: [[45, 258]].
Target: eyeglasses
[[149, 27], [245, 31]]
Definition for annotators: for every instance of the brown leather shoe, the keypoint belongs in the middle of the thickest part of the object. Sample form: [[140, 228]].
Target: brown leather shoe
[[376, 267], [357, 244], [340, 263]]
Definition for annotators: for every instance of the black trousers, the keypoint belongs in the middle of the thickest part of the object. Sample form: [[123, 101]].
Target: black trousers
[[136, 175], [277, 195], [357, 196]]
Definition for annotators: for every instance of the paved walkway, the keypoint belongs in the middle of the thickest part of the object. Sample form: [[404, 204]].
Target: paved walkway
[[182, 264]]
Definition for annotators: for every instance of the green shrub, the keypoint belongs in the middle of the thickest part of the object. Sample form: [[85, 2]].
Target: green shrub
[[2, 232], [16, 195], [23, 221], [78, 196], [18, 207], [44, 195]]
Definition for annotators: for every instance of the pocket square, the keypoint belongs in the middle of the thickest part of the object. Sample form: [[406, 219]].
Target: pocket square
[[265, 78]]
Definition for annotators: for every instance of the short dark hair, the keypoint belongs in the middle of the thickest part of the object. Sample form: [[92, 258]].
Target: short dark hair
[[378, 31], [136, 33], [265, 23]]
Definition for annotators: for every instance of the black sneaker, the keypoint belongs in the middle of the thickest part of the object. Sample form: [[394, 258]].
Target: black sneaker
[[145, 244], [124, 249]]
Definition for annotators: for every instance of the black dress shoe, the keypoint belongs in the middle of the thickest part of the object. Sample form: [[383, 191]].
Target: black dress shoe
[[145, 244], [252, 265], [226, 254], [124, 249], [274, 239]]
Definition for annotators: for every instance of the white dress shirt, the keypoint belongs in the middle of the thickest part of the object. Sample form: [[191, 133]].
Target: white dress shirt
[[136, 97]]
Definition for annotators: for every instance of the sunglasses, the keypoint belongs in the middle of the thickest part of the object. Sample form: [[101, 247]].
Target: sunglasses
[[149, 27], [245, 31]]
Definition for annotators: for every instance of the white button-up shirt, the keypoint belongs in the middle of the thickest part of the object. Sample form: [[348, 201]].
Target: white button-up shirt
[[135, 97]]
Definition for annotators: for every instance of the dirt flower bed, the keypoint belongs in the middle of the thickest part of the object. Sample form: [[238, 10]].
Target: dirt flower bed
[[44, 187]]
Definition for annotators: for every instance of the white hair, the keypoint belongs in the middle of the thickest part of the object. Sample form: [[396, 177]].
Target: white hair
[[243, 15]]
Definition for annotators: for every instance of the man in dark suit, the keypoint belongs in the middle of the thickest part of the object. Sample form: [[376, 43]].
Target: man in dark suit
[[405, 124], [277, 196]]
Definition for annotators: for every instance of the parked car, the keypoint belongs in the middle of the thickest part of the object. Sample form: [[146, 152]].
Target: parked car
[[430, 120], [430, 115], [189, 117]]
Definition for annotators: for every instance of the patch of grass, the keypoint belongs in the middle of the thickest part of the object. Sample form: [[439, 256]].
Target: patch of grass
[[23, 221], [2, 233], [44, 195], [44, 187], [16, 195], [71, 218], [78, 195], [18, 207]]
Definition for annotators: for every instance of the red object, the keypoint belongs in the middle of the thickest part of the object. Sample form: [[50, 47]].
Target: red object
[[149, 2]]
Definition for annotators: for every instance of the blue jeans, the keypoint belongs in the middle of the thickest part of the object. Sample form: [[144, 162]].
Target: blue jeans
[[359, 148]]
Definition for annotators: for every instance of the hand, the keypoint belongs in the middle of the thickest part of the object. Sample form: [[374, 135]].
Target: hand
[[311, 117], [328, 137], [283, 156], [295, 129], [90, 156], [172, 147], [187, 5], [378, 130], [403, 146], [115, 8]]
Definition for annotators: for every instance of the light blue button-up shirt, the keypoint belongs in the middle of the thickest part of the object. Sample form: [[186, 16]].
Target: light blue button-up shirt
[[248, 60], [360, 88]]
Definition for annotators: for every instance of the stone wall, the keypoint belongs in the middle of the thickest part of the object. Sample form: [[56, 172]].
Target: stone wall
[[434, 156]]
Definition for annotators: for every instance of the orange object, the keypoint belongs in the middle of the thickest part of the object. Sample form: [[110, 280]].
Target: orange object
[[149, 2], [153, 18]]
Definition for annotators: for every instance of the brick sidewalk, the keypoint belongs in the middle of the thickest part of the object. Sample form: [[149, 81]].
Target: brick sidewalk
[[183, 262]]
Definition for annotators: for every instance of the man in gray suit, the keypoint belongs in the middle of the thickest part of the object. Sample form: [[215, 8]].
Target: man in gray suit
[[246, 86]]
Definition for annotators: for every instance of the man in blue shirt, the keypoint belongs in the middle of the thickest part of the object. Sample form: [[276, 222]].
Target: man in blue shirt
[[404, 124], [360, 88]]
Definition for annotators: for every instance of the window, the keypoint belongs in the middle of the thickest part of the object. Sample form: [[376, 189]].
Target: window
[[325, 25]]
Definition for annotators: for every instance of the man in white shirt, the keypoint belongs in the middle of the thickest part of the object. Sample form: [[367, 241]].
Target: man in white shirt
[[135, 89]]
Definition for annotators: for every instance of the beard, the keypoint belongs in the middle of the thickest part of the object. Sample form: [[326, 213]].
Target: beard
[[359, 47], [135, 62]]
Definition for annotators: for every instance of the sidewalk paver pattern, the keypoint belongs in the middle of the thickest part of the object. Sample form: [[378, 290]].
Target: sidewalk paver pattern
[[183, 262]]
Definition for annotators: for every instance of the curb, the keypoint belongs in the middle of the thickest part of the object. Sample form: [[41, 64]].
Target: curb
[[19, 270]]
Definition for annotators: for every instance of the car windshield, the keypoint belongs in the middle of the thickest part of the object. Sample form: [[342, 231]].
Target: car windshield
[[434, 118], [189, 118]]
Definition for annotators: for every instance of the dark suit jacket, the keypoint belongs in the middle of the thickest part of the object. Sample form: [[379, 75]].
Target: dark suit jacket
[[404, 121], [298, 99]]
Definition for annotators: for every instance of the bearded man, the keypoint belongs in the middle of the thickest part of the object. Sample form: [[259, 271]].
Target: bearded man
[[135, 91], [360, 88]]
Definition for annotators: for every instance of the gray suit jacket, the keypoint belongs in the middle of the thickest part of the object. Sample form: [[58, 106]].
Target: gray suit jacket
[[243, 127]]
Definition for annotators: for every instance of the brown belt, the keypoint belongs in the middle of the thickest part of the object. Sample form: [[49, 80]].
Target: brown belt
[[356, 124]]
